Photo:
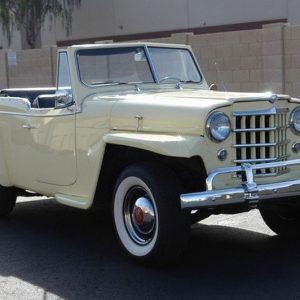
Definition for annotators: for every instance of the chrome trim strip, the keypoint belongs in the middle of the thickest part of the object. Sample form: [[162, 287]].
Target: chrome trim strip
[[267, 174], [260, 145], [248, 192], [271, 111], [36, 115], [219, 171], [242, 130], [257, 160], [239, 195]]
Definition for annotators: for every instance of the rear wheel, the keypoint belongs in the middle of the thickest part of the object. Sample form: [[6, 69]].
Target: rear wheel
[[8, 199], [283, 219], [148, 218]]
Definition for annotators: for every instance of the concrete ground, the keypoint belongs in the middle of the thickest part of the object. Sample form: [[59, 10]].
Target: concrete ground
[[48, 251]]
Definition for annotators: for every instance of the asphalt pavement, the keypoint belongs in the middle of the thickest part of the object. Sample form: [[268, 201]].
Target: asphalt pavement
[[49, 251]]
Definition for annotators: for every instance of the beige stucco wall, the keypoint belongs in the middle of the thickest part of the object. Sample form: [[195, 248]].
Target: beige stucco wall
[[102, 18], [232, 60], [33, 68], [292, 60], [243, 60], [96, 19], [3, 68], [265, 59]]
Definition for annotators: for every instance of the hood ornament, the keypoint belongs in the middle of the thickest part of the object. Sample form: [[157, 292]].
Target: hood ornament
[[273, 98]]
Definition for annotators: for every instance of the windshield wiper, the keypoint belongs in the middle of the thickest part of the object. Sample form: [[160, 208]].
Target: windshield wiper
[[111, 82], [115, 82], [177, 80], [108, 82], [189, 81]]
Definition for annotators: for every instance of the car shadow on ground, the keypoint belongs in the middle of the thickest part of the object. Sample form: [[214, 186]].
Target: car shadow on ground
[[74, 254]]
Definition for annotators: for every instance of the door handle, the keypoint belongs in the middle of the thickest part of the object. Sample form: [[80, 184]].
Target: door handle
[[28, 126]]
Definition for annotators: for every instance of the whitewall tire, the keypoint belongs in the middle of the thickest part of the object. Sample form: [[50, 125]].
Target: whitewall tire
[[147, 216]]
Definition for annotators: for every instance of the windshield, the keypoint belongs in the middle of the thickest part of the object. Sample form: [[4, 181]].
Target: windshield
[[117, 65], [125, 65], [174, 64]]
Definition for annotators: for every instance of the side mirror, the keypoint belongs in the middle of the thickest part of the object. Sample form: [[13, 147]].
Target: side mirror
[[213, 87], [63, 99]]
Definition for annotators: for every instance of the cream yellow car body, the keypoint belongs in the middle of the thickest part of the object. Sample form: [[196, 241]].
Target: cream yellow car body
[[59, 152]]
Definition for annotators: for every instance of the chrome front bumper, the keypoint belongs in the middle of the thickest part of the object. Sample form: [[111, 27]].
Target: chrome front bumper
[[249, 192]]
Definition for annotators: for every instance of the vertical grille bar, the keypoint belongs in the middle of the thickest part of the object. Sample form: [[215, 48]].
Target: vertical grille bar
[[253, 138], [273, 123], [263, 140], [243, 137]]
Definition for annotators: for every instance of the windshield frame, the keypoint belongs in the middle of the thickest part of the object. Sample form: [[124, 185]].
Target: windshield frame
[[150, 63]]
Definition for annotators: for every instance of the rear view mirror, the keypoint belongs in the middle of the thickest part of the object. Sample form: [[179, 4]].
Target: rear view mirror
[[139, 55]]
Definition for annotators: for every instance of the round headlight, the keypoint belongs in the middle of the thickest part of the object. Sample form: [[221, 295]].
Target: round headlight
[[295, 120], [218, 126]]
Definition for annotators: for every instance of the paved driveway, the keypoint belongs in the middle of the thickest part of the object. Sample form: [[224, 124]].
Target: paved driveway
[[48, 251]]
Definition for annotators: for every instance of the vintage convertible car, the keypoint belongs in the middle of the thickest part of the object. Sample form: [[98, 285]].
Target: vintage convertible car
[[135, 125]]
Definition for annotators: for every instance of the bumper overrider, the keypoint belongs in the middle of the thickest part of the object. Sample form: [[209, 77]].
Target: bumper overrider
[[249, 192]]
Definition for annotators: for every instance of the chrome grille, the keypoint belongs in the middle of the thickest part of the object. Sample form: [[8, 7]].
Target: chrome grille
[[261, 136]]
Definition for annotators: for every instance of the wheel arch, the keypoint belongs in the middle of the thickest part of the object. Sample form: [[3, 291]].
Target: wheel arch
[[169, 145], [190, 170]]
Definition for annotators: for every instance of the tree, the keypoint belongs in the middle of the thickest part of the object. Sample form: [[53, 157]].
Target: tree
[[30, 16]]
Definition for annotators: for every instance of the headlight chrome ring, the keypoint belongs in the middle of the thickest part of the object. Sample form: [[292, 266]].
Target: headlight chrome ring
[[295, 120], [218, 126]]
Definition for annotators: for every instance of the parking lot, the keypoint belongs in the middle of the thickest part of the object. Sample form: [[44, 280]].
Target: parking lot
[[48, 251]]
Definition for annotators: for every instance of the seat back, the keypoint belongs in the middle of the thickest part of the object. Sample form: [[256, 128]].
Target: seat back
[[28, 93], [44, 101]]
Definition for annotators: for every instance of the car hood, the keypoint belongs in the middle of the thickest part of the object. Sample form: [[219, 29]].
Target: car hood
[[178, 112]]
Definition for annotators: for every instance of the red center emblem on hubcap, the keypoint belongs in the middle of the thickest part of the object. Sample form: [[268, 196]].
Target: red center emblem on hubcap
[[138, 215]]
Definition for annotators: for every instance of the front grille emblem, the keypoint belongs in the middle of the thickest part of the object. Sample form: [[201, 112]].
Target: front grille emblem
[[273, 98]]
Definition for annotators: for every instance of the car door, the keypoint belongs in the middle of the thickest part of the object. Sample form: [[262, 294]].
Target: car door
[[53, 134]]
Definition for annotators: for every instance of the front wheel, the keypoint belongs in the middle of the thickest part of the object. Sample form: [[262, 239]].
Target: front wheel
[[148, 219], [283, 220]]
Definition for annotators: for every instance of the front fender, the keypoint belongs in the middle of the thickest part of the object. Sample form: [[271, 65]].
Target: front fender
[[168, 145]]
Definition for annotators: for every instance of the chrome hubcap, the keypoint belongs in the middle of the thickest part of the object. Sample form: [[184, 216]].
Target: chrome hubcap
[[143, 215], [139, 216]]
